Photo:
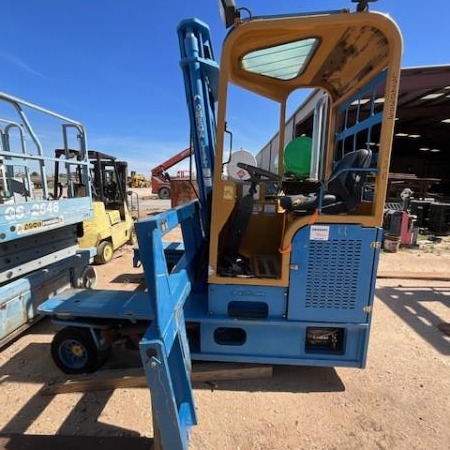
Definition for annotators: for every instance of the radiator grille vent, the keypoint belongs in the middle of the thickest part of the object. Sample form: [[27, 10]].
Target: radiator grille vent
[[332, 276]]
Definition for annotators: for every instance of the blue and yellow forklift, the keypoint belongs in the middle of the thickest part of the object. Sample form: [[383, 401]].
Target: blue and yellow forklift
[[274, 267]]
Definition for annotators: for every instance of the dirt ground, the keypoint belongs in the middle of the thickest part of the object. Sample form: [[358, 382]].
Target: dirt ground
[[400, 401]]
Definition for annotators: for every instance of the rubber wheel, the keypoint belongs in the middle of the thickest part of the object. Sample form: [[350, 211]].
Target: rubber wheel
[[164, 193], [88, 279], [105, 252], [74, 351]]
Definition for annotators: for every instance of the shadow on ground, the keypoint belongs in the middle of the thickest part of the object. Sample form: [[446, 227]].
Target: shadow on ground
[[294, 379], [135, 278], [35, 442], [33, 365], [411, 304]]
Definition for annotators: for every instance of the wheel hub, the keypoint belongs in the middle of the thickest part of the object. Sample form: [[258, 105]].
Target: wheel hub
[[108, 253], [77, 350], [73, 354]]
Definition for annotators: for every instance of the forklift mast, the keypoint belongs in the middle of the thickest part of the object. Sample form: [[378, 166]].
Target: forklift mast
[[122, 174], [201, 79]]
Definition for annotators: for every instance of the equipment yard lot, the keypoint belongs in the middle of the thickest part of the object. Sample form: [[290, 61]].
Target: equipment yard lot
[[400, 401]]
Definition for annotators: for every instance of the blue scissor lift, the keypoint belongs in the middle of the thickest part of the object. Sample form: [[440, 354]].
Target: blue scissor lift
[[38, 227], [320, 317]]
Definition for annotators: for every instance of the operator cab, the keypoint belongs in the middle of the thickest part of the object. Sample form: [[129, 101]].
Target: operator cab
[[107, 177], [333, 171]]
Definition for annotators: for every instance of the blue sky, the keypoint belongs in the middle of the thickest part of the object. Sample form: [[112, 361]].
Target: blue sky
[[113, 65]]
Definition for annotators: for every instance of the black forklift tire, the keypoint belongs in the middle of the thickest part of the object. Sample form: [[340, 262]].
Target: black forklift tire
[[105, 252], [164, 193], [74, 351], [87, 279]]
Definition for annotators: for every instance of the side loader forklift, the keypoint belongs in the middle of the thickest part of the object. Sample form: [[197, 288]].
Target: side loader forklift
[[261, 276], [111, 225]]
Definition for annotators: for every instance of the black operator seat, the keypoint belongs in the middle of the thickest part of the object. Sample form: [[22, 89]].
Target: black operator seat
[[343, 190]]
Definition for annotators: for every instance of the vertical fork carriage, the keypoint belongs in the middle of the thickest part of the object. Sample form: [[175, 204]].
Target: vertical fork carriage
[[164, 347]]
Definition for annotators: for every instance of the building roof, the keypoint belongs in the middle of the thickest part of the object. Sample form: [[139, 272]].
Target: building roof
[[423, 109]]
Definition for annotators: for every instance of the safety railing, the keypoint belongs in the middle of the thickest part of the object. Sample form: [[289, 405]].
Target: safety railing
[[27, 204]]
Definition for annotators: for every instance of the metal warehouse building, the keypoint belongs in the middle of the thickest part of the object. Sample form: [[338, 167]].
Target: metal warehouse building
[[421, 144]]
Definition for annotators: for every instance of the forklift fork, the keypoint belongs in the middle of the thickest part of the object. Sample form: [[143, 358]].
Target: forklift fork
[[164, 347]]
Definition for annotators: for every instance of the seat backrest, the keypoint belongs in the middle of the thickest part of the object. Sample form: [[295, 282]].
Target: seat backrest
[[347, 186]]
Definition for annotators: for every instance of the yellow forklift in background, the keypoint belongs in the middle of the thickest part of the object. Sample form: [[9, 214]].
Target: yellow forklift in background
[[111, 225], [137, 180]]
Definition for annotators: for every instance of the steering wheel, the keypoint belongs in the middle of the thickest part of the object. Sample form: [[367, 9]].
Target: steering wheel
[[111, 191], [256, 172]]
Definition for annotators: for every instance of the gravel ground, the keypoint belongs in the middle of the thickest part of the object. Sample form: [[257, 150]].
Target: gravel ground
[[400, 401]]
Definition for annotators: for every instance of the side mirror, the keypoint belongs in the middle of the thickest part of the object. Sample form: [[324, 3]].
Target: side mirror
[[363, 5], [228, 11]]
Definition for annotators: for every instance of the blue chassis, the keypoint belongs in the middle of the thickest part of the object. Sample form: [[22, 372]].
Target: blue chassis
[[342, 268], [278, 337]]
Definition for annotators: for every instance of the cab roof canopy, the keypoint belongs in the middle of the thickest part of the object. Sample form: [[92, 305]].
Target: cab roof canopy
[[331, 51]]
